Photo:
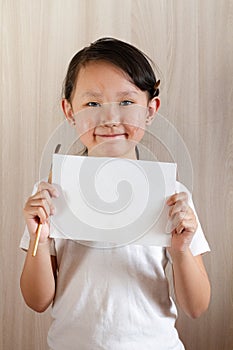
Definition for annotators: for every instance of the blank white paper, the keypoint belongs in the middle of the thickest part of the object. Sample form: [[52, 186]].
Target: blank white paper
[[116, 200]]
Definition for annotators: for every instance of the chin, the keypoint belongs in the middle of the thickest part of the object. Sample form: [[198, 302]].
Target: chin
[[111, 153], [114, 149]]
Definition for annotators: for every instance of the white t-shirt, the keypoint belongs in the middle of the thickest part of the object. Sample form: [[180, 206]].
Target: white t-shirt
[[114, 298]]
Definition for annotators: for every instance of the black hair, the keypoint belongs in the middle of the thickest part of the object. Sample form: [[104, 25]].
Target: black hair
[[127, 57]]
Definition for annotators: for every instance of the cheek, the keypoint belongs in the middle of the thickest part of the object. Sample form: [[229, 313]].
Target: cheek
[[85, 126], [135, 132], [85, 132], [135, 127], [136, 118], [87, 139]]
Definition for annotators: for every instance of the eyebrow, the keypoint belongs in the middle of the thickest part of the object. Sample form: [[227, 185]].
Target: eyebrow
[[89, 94]]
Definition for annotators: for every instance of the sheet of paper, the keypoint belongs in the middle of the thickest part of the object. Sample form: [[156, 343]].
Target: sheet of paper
[[112, 200]]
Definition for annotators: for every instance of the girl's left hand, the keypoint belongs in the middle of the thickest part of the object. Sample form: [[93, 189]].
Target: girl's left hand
[[184, 223]]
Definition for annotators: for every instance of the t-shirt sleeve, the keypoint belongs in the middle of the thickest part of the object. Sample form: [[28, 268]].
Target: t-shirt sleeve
[[25, 239], [199, 244]]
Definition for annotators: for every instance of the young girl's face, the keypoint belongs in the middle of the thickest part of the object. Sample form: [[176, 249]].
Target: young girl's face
[[109, 111]]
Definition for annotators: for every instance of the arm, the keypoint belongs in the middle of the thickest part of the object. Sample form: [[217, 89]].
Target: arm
[[191, 283], [192, 288], [38, 279]]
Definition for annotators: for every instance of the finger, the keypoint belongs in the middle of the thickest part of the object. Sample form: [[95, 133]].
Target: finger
[[49, 187], [46, 200], [49, 210], [183, 196], [178, 218], [180, 205], [37, 212], [186, 226], [183, 217], [42, 199]]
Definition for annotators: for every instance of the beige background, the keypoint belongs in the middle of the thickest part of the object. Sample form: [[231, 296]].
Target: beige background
[[192, 42]]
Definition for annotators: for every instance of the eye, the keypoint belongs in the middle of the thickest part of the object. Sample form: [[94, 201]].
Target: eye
[[93, 104], [126, 103]]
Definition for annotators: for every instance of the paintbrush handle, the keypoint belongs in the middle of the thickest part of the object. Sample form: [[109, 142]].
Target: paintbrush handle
[[39, 227], [38, 231]]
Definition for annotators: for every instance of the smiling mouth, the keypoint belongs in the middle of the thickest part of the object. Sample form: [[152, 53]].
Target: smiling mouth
[[113, 135]]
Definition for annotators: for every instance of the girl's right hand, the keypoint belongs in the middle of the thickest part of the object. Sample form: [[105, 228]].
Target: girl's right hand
[[38, 208]]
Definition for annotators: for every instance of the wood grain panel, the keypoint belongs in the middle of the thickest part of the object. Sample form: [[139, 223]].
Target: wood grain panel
[[191, 42]]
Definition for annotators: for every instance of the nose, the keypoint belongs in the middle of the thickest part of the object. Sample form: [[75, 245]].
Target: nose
[[110, 123], [110, 115]]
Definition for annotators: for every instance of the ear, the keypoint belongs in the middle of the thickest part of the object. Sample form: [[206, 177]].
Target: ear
[[68, 111], [153, 107]]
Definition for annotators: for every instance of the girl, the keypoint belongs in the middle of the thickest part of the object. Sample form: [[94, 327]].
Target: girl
[[115, 299]]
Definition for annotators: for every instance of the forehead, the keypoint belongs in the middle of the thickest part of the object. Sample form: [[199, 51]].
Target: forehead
[[99, 77], [97, 71]]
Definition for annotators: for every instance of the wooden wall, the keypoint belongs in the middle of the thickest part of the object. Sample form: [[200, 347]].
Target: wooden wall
[[192, 43]]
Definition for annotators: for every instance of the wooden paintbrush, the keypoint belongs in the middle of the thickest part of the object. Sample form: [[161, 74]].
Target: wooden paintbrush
[[38, 231]]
